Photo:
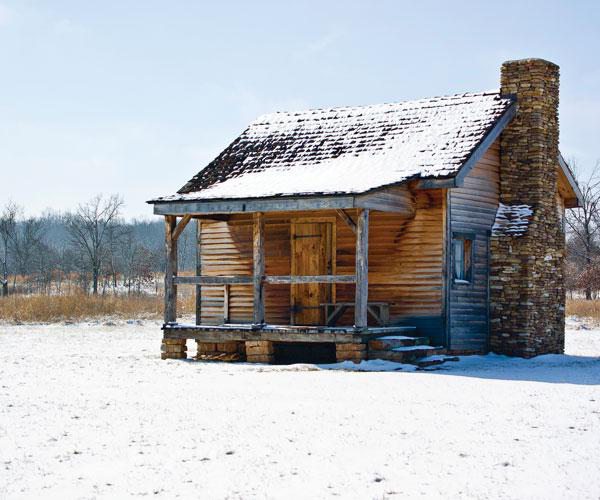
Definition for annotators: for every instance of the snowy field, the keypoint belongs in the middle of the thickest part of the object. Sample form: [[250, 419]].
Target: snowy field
[[90, 411]]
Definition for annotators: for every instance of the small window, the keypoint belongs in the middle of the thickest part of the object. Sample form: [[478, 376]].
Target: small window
[[462, 251]]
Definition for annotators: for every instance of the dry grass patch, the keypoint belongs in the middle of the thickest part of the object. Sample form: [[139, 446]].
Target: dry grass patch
[[43, 308], [584, 309]]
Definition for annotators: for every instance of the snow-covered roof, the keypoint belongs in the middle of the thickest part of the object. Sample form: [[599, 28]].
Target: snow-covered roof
[[348, 150], [512, 219]]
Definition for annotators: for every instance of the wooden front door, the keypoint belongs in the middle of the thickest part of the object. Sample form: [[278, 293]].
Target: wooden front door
[[311, 256]]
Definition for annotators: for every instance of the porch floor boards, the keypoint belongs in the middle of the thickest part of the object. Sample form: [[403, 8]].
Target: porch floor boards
[[280, 333]]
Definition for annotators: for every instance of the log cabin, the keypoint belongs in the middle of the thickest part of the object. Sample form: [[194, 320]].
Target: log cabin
[[389, 231]]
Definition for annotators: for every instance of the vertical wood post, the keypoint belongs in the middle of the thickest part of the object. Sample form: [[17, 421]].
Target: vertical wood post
[[258, 234], [171, 270], [225, 303], [362, 270], [198, 271]]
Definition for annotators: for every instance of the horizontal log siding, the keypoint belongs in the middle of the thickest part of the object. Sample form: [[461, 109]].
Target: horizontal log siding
[[405, 262], [473, 210], [227, 250]]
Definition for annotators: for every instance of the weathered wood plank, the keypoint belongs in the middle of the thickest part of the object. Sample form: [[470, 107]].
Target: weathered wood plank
[[362, 270], [284, 280], [258, 239], [171, 270], [214, 280], [253, 205], [226, 303], [272, 336], [274, 333], [198, 271]]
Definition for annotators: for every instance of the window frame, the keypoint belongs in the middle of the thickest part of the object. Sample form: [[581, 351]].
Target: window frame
[[467, 244]]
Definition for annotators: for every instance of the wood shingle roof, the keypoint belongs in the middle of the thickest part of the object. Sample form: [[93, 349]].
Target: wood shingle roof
[[348, 150]]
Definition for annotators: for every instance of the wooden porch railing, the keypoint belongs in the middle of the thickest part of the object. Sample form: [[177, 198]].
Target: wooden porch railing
[[274, 280], [258, 279]]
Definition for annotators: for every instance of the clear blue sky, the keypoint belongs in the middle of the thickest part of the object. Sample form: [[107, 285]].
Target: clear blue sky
[[134, 97]]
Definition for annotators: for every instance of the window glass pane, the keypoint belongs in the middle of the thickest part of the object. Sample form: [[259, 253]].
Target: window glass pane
[[458, 246]]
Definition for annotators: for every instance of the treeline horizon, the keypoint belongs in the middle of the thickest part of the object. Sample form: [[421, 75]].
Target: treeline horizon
[[96, 250], [92, 248]]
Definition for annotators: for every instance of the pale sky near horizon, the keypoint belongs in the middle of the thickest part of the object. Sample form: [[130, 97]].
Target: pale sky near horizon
[[135, 97]]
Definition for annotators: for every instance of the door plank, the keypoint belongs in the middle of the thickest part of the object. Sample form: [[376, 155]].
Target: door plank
[[311, 255]]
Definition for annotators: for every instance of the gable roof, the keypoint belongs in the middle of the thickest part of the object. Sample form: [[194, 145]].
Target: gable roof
[[351, 150]]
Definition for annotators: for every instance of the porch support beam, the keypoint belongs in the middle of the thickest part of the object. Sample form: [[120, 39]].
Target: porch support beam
[[347, 219], [362, 270], [198, 271], [226, 303], [258, 237], [181, 226], [171, 270]]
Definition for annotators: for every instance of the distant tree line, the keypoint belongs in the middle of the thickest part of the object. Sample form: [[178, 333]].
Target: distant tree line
[[92, 248], [583, 239]]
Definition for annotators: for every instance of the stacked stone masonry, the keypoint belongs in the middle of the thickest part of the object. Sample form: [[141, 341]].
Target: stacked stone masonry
[[527, 292], [350, 352], [221, 351], [260, 351], [173, 349]]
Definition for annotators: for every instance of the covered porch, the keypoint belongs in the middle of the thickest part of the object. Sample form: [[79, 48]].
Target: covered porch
[[288, 285]]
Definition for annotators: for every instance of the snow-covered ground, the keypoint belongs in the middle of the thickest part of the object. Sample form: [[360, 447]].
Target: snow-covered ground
[[90, 411]]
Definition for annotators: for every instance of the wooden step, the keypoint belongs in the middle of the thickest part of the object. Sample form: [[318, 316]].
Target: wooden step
[[393, 341], [406, 354], [429, 361]]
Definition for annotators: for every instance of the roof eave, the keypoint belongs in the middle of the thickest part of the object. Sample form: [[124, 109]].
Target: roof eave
[[571, 178], [244, 205]]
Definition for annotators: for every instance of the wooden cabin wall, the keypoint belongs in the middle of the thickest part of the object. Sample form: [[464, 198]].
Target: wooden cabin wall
[[226, 249], [472, 209], [405, 263]]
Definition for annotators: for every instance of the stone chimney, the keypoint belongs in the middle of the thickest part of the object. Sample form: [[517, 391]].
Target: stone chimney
[[527, 293]]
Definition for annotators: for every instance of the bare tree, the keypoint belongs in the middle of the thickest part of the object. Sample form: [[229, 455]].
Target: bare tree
[[89, 228], [27, 246], [8, 228], [65, 265], [584, 222]]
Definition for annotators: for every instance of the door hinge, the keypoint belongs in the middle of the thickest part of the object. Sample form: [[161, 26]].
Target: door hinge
[[300, 236]]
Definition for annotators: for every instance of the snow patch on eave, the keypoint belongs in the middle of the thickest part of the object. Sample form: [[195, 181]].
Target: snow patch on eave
[[512, 220]]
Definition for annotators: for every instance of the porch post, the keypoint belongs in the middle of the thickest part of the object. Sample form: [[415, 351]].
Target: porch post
[[171, 269], [198, 271], [258, 233], [362, 270]]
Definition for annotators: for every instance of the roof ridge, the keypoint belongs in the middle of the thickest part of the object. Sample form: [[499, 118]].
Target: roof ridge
[[350, 149], [422, 100]]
